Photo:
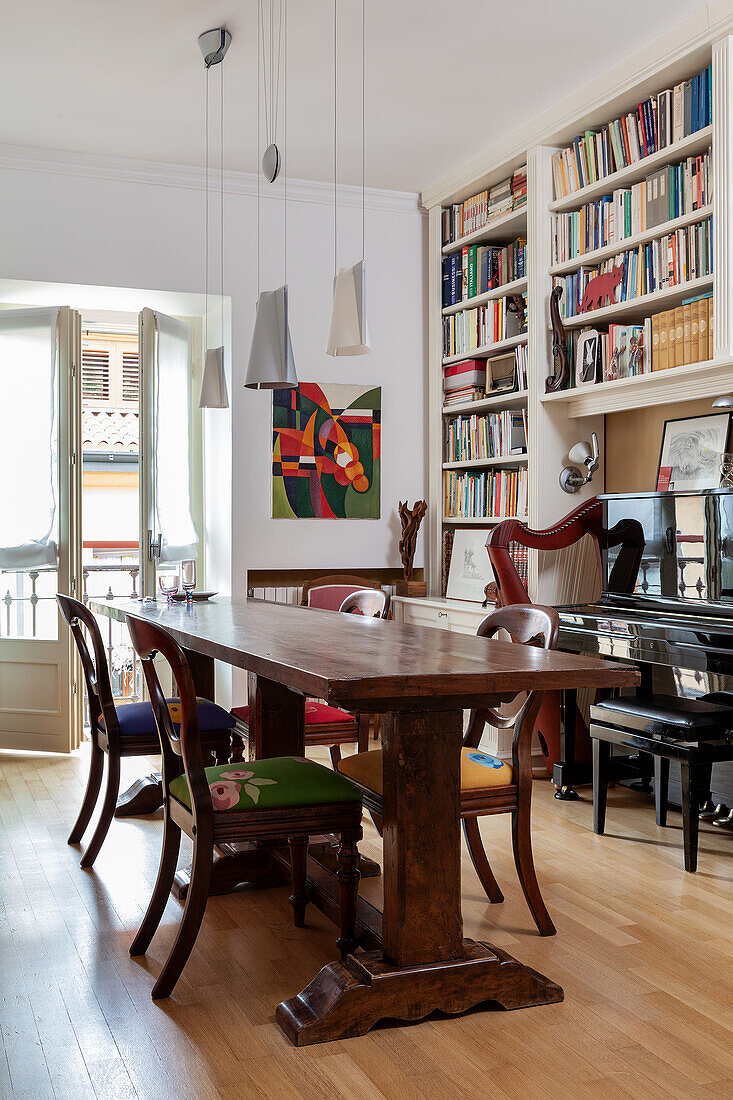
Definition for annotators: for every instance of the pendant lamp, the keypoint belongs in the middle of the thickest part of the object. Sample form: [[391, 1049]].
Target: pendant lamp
[[348, 333], [271, 362], [214, 45]]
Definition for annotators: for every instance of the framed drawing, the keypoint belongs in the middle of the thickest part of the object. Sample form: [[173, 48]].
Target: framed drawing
[[588, 358], [326, 452], [692, 448], [470, 569]]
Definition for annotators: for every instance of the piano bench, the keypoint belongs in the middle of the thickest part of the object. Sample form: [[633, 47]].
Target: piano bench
[[694, 732]]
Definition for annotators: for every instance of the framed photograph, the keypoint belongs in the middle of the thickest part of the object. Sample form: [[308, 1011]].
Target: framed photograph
[[691, 451], [470, 569], [588, 358]]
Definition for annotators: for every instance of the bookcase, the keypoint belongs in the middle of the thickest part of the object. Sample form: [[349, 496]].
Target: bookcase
[[555, 421]]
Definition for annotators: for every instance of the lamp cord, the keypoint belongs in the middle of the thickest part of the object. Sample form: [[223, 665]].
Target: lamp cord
[[363, 139], [206, 212], [335, 120], [285, 129], [260, 52], [221, 202]]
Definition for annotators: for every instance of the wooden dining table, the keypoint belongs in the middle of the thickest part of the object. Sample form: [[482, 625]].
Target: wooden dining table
[[413, 957]]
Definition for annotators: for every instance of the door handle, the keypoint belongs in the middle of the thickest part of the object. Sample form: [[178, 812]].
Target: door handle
[[154, 546]]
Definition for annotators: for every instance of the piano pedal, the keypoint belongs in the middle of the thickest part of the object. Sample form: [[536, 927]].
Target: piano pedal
[[725, 822], [709, 810]]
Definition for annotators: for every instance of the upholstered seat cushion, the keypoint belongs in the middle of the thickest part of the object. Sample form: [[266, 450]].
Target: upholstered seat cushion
[[665, 714], [267, 784], [137, 718], [478, 770], [316, 714]]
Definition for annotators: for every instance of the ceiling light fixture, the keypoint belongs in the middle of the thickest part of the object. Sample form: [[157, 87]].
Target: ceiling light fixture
[[214, 45], [271, 361], [348, 333]]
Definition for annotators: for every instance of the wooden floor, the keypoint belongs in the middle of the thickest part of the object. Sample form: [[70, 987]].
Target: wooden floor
[[643, 951]]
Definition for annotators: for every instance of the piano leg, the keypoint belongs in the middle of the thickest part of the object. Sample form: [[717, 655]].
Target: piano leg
[[563, 772]]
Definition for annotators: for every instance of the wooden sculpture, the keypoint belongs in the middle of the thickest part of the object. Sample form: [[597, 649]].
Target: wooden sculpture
[[557, 380], [601, 287], [410, 518]]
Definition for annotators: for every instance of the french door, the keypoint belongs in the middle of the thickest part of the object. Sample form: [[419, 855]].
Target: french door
[[40, 529]]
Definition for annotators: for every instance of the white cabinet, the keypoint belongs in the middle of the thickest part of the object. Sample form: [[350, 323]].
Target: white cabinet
[[460, 616]]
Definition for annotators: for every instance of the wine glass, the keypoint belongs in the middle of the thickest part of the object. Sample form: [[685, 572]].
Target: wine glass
[[168, 584], [188, 578], [726, 470]]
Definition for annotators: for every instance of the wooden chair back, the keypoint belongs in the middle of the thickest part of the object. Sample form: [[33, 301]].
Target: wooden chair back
[[180, 749], [526, 624], [328, 593], [83, 624], [367, 601]]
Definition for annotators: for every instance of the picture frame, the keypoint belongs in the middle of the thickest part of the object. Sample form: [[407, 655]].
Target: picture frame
[[588, 358], [470, 570], [691, 450]]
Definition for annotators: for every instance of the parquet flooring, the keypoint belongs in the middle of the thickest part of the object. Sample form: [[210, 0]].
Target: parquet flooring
[[643, 951]]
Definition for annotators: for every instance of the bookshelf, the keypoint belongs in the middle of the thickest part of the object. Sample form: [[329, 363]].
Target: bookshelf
[[558, 420]]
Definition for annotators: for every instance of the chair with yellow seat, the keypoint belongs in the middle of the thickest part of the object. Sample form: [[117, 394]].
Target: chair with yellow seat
[[281, 799], [489, 785]]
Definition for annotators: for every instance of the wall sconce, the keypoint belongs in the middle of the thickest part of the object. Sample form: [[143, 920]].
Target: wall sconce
[[571, 478]]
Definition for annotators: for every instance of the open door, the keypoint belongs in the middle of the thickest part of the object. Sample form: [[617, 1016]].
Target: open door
[[40, 531], [167, 530]]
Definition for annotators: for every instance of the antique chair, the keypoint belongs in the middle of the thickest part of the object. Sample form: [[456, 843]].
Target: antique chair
[[287, 799], [325, 725], [125, 731], [489, 785], [571, 563]]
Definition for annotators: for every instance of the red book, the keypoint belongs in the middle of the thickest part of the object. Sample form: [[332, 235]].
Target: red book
[[464, 367]]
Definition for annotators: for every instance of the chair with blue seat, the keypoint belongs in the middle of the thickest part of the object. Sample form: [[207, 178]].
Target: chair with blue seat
[[128, 730], [274, 799], [489, 785]]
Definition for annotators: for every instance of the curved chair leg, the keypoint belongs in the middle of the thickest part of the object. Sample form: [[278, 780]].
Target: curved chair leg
[[163, 883], [193, 914], [94, 782], [348, 887], [480, 860], [298, 859], [108, 810], [334, 751], [522, 844]]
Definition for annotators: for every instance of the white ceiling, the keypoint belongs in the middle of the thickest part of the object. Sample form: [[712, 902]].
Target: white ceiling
[[444, 79]]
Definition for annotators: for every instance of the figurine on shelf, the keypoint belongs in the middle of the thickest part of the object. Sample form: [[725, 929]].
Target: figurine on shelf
[[558, 379], [411, 518], [602, 286]]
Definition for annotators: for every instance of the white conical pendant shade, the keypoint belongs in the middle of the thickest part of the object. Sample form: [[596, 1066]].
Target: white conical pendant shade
[[214, 383], [271, 363], [348, 334]]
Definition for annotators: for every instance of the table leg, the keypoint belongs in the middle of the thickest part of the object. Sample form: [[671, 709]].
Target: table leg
[[425, 964]]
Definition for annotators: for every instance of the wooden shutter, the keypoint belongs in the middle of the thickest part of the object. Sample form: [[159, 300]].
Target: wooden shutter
[[95, 376], [130, 377]]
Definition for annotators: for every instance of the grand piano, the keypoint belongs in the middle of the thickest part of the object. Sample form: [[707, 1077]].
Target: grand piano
[[665, 562]]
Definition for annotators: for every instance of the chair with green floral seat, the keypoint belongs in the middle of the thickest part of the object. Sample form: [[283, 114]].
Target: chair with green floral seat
[[285, 798], [128, 730], [489, 785]]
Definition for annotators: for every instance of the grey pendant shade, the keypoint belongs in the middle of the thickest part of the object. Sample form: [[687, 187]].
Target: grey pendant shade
[[271, 362], [214, 383], [348, 334]]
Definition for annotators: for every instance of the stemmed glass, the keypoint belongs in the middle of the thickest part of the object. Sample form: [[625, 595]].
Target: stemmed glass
[[168, 583], [188, 578]]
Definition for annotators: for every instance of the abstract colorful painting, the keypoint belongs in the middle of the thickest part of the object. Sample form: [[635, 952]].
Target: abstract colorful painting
[[326, 452]]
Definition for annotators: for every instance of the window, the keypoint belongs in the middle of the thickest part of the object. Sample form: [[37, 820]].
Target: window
[[109, 372], [95, 376]]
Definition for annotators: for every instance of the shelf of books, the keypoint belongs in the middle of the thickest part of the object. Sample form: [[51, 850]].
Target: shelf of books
[[634, 205], [484, 359]]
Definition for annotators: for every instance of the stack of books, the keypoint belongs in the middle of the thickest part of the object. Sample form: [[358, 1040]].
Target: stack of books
[[521, 358], [500, 199], [654, 124], [486, 495], [480, 268], [489, 324], [519, 187], [493, 435], [669, 261], [674, 190], [684, 334], [462, 380]]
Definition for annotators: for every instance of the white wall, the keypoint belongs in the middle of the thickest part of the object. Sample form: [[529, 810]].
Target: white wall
[[74, 220]]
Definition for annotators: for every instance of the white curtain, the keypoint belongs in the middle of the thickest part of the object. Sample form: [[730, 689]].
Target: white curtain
[[28, 439], [172, 413]]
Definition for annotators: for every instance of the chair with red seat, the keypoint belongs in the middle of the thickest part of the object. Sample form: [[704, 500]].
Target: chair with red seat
[[326, 725], [129, 730]]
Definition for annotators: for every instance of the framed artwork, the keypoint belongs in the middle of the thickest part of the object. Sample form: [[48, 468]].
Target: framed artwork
[[587, 358], [326, 452], [691, 452], [470, 569]]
